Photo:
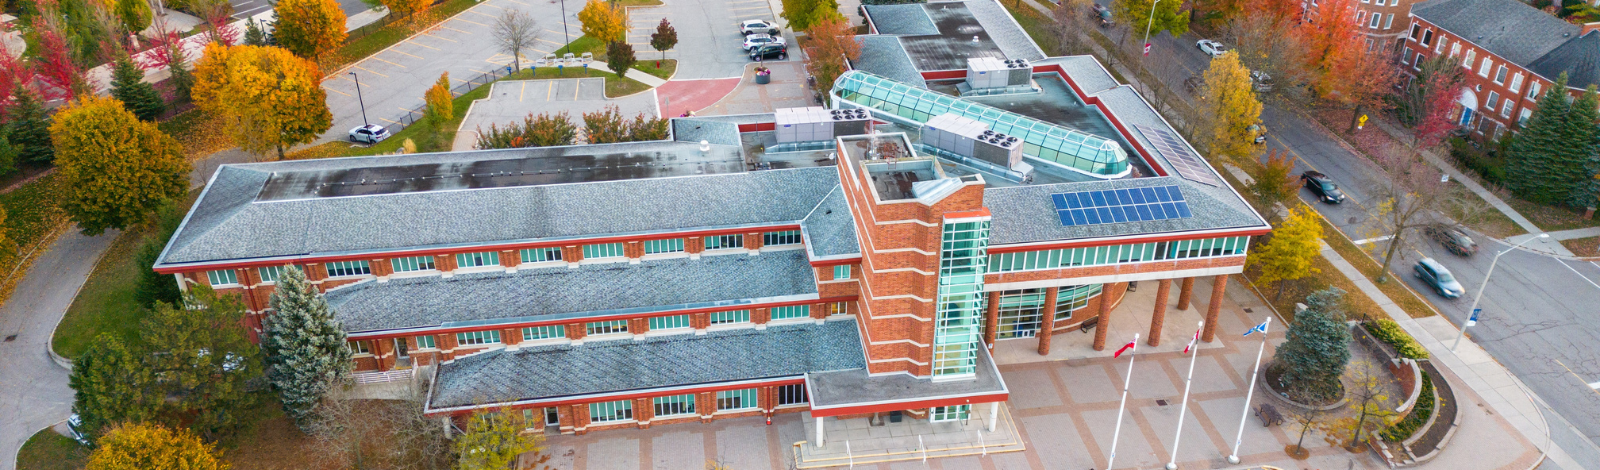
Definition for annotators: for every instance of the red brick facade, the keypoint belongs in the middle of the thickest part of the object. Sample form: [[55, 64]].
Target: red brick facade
[[1499, 94]]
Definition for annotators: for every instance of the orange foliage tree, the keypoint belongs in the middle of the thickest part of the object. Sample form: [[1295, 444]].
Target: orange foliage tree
[[832, 41], [1344, 72]]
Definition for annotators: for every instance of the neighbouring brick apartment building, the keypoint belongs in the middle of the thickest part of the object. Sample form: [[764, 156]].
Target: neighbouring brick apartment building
[[1511, 52], [698, 278]]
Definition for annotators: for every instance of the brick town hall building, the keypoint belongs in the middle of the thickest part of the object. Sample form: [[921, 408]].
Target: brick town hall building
[[800, 261]]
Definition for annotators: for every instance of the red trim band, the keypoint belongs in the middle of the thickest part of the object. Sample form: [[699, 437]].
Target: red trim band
[[1124, 241]]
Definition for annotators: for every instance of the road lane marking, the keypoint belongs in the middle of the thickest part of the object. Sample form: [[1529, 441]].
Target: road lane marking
[[1372, 240], [369, 71], [1580, 275], [390, 121], [402, 109], [415, 43], [1579, 377], [550, 91], [479, 71], [576, 85], [522, 91]]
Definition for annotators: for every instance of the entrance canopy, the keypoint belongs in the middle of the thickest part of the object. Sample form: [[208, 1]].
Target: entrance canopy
[[844, 392]]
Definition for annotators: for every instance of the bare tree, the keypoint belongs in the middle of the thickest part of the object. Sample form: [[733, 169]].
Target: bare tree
[[1307, 419], [388, 434], [1369, 401], [1410, 187], [1260, 38], [1072, 27], [513, 32]]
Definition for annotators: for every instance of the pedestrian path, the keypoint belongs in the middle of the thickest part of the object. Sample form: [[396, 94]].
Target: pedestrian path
[[1477, 370], [1563, 234], [645, 78]]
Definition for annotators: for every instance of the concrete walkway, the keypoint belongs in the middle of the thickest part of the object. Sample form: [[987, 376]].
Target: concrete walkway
[[1562, 234], [1477, 370]]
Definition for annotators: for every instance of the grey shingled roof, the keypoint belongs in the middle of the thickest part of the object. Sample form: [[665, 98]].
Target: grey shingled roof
[[1003, 30], [562, 292], [228, 223], [830, 230], [1509, 28], [544, 372], [909, 19], [884, 55], [1578, 58]]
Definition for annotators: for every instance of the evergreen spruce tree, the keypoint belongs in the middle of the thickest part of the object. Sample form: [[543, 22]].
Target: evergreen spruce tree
[[305, 347], [8, 154], [128, 86], [28, 129], [1318, 347], [253, 34], [1583, 142], [111, 385], [1551, 149]]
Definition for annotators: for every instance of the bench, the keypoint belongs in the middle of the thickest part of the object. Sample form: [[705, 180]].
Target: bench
[[1269, 415], [1089, 324]]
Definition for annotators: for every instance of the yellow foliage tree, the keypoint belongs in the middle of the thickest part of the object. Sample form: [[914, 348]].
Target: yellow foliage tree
[[146, 446], [1288, 254], [495, 440], [602, 21], [268, 98], [309, 27], [117, 169], [441, 105], [405, 8], [1231, 105]]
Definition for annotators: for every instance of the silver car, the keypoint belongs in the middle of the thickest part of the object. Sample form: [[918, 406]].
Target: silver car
[[369, 134], [1439, 278]]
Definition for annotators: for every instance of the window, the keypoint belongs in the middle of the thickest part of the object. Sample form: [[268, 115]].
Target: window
[[1416, 30], [1377, 18], [669, 322], [1533, 90], [606, 327], [671, 245], [949, 413], [412, 263], [222, 277], [1427, 38], [481, 258], [540, 255], [359, 347], [1455, 50], [1489, 103], [1389, 23], [425, 342], [838, 308], [527, 419], [841, 271], [269, 273], [1418, 64], [732, 316], [1516, 82], [1380, 2], [674, 405], [1522, 120], [792, 394], [738, 399], [603, 250], [1505, 109], [1483, 69], [1500, 75], [620, 410], [792, 311], [543, 332], [1361, 17], [1072, 298], [348, 268], [787, 237], [1467, 61], [473, 338], [717, 242]]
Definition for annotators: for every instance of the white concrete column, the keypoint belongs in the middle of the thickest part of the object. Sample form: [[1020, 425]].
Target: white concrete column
[[994, 414], [819, 432], [447, 429]]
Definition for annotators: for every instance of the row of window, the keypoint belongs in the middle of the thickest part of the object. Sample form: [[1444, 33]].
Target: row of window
[[1377, 19], [1114, 254], [677, 405], [529, 255]]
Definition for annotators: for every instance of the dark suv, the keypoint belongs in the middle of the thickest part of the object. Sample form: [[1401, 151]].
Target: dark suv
[[1452, 238], [770, 51], [1327, 191]]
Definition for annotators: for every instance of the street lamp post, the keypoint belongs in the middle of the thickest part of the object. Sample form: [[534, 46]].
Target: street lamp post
[[1147, 28], [1485, 285], [360, 100], [566, 35]]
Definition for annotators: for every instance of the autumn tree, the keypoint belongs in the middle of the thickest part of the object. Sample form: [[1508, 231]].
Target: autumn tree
[[306, 350], [218, 21], [605, 126], [441, 103], [309, 28], [1231, 108], [166, 52], [1313, 357], [515, 31], [832, 42], [494, 440], [111, 385], [551, 130], [619, 57], [1370, 405], [1409, 189], [1258, 37], [134, 14], [54, 58], [204, 360], [1344, 72], [1274, 181], [803, 15], [604, 22], [391, 434], [1437, 76], [1288, 254], [1307, 419], [1169, 16], [117, 169], [269, 98], [1070, 26], [664, 38], [145, 446], [129, 87], [405, 8]]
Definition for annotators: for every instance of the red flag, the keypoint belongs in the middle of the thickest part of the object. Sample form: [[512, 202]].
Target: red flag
[[1192, 341], [1125, 347]]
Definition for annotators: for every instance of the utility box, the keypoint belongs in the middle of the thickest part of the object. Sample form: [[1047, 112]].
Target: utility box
[[989, 72], [817, 123], [969, 138]]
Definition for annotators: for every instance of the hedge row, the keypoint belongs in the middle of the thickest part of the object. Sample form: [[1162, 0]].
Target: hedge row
[[1388, 331]]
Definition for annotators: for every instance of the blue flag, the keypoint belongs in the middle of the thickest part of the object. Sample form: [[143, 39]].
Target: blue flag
[[1262, 328]]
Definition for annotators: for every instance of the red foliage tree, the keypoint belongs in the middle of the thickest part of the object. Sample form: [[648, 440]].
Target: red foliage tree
[[1435, 122], [62, 77], [14, 74], [1344, 72]]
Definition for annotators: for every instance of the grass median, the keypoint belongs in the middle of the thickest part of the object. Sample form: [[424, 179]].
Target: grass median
[[47, 450]]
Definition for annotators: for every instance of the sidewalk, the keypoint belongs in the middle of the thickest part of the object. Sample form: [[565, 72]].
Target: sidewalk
[[1475, 368]]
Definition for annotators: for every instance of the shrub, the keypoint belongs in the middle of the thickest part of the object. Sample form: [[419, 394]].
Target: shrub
[[544, 130], [1389, 332], [1407, 426], [1491, 167]]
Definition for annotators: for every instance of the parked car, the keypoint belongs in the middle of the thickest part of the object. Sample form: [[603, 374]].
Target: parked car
[[75, 429], [1261, 81], [1326, 190], [749, 27], [778, 51], [1098, 12], [1259, 132], [1211, 48], [1439, 278], [1452, 238], [751, 41], [369, 134]]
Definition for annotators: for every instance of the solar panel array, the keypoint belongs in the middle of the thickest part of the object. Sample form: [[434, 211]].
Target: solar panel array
[[1121, 205], [1189, 165]]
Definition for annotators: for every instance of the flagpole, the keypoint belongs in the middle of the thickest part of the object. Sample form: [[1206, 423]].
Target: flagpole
[[1243, 415], [1121, 406], [1184, 410]]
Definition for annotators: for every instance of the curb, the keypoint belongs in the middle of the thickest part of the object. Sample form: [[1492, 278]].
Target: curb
[[50, 342]]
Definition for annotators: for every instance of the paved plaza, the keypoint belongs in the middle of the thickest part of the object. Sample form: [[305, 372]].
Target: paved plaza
[[513, 100]]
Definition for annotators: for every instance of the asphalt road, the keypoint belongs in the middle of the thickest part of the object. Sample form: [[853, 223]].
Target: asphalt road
[[1539, 312]]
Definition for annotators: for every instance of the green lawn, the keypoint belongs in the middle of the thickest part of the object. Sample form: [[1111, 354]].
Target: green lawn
[[47, 450], [584, 44], [105, 304], [649, 66]]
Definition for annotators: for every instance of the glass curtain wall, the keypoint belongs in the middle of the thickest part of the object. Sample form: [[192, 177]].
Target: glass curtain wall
[[1020, 313], [956, 335]]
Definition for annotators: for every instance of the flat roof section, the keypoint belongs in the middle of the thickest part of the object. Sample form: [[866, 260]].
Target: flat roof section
[[560, 292], [854, 391], [615, 366], [960, 37]]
